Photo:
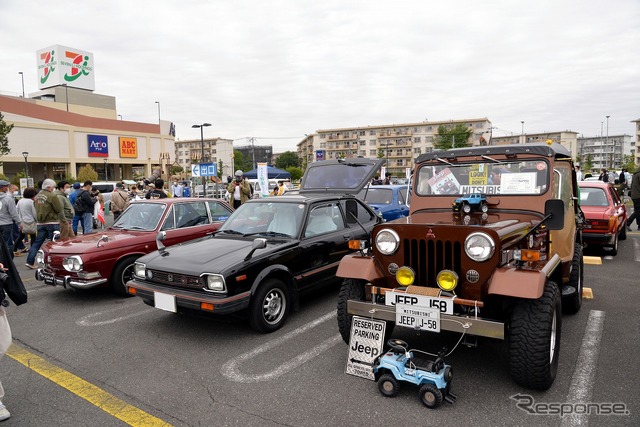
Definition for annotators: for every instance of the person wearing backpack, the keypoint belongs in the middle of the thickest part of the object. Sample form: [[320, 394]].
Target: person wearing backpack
[[49, 213], [84, 207]]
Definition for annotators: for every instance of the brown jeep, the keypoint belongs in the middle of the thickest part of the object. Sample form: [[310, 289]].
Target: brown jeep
[[506, 273]]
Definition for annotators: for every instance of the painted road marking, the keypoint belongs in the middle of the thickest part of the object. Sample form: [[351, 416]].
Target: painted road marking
[[231, 368], [84, 389], [592, 260], [581, 387], [85, 321], [636, 250]]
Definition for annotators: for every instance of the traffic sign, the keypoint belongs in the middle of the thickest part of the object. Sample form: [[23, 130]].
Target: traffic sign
[[204, 169]]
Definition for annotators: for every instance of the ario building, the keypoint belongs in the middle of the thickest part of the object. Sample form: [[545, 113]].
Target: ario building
[[399, 144], [65, 126]]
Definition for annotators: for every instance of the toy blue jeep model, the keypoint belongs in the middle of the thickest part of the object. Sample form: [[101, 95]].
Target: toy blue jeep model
[[400, 364], [469, 202]]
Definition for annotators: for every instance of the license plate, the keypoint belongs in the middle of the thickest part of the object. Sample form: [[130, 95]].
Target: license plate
[[165, 302], [48, 280], [444, 305], [416, 317]]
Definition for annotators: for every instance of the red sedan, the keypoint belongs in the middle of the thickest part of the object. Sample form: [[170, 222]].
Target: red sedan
[[107, 257], [606, 215]]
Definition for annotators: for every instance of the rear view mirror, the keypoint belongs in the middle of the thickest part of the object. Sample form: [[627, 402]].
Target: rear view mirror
[[554, 208], [352, 211]]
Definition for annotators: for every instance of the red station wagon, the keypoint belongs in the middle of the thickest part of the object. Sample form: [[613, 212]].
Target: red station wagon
[[605, 213], [107, 258]]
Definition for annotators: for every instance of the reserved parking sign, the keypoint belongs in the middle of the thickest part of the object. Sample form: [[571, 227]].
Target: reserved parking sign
[[365, 344]]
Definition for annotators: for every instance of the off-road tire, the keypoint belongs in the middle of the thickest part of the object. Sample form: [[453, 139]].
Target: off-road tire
[[534, 339], [388, 385], [269, 306], [466, 208], [484, 208], [351, 289], [430, 396], [572, 292], [121, 274]]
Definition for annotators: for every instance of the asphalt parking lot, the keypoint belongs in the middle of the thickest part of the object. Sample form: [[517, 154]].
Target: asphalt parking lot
[[92, 358]]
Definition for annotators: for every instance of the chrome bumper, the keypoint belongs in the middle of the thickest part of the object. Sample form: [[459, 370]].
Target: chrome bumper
[[455, 323], [73, 282]]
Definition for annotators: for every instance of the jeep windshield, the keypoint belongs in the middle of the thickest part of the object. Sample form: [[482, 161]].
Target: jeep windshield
[[490, 177]]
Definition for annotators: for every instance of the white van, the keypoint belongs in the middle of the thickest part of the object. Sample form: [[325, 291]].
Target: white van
[[273, 183]]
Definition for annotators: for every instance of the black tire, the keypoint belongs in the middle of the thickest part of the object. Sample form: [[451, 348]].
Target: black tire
[[388, 385], [122, 273], [572, 292], [623, 232], [269, 306], [430, 396], [534, 339], [466, 208], [351, 289]]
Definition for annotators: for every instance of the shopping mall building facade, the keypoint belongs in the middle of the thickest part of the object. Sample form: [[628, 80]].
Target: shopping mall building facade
[[65, 126]]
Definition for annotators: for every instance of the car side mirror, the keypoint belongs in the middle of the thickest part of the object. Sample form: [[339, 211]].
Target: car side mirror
[[56, 236], [103, 238], [259, 243], [159, 238], [554, 208]]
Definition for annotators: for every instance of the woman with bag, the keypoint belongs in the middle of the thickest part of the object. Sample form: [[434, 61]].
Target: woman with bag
[[27, 213]]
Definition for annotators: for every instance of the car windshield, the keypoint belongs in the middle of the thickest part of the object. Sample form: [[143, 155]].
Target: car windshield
[[490, 177], [377, 196], [345, 176], [265, 217], [140, 216], [593, 197]]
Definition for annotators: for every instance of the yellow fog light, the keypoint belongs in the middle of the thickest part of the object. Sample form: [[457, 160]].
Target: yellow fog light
[[447, 280], [405, 276]]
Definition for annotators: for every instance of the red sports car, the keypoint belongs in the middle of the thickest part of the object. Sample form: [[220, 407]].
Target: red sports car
[[107, 257], [606, 215]]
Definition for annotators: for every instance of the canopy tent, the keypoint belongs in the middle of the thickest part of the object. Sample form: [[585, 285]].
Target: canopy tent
[[274, 173]]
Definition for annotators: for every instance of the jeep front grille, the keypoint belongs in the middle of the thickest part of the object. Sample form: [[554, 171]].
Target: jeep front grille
[[428, 257], [176, 279]]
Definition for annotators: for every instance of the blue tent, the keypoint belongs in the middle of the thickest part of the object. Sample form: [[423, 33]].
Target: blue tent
[[274, 173]]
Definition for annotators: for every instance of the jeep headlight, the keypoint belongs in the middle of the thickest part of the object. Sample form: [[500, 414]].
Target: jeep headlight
[[139, 270], [387, 241], [72, 263], [40, 257], [214, 283], [479, 246]]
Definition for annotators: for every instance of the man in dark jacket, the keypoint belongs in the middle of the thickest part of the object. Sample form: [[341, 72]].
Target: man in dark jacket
[[157, 192], [635, 197], [84, 207]]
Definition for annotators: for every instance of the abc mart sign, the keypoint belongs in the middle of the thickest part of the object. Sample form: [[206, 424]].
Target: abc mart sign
[[60, 65]]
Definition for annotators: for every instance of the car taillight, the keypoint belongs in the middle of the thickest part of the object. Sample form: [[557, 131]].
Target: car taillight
[[599, 224]]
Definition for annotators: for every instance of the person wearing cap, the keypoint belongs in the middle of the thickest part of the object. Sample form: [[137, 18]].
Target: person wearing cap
[[119, 200], [239, 190], [8, 215], [49, 213], [62, 191]]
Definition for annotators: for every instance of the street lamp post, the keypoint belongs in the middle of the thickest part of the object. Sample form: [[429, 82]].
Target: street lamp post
[[607, 143], [522, 131], [158, 102], [25, 154], [202, 149], [120, 115], [22, 76]]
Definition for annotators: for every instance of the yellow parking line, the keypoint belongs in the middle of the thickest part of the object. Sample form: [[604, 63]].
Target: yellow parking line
[[592, 260], [89, 392]]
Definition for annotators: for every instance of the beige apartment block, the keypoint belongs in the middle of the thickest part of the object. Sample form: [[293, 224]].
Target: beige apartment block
[[209, 150], [399, 144], [567, 138]]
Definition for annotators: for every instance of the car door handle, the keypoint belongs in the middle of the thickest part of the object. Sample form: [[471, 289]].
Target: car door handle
[[347, 236]]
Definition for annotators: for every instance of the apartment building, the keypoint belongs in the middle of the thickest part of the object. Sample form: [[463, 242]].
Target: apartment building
[[605, 151], [399, 144], [208, 150], [636, 142], [567, 138]]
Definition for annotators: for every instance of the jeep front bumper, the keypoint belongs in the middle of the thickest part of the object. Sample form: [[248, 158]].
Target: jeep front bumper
[[450, 322]]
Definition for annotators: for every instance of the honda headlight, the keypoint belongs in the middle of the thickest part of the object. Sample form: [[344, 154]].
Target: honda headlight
[[479, 246], [139, 270], [214, 283], [72, 263], [387, 241]]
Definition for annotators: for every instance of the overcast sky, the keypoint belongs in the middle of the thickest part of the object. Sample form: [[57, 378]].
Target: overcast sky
[[277, 70]]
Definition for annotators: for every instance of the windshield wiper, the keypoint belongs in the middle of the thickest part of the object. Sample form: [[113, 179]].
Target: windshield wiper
[[136, 227], [229, 231], [268, 234]]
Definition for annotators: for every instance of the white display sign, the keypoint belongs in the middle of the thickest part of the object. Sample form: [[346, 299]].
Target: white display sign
[[263, 178], [60, 65], [365, 344]]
